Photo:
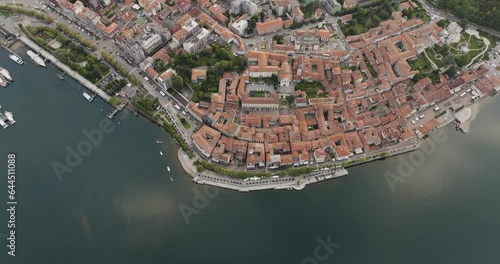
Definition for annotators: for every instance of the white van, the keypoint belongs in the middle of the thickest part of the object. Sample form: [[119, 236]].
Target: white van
[[162, 94]]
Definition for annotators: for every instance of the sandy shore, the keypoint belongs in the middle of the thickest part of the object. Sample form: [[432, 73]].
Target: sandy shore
[[476, 108]]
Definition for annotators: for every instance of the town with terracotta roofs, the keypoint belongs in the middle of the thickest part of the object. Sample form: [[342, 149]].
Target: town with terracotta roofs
[[271, 85]]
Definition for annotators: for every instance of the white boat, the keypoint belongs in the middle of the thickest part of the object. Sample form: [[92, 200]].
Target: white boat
[[10, 118], [16, 58], [88, 97], [5, 73], [171, 179], [3, 83], [3, 124], [36, 58], [161, 153], [158, 142], [168, 168]]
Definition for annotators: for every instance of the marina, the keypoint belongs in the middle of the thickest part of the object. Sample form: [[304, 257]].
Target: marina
[[36, 58]]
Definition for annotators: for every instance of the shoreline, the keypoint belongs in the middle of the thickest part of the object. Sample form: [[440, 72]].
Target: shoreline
[[279, 183], [23, 42]]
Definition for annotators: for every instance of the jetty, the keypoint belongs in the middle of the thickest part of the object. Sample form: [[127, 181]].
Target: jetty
[[80, 79]]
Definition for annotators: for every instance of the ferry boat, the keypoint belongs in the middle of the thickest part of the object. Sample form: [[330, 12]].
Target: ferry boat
[[2, 122], [3, 83], [10, 118], [16, 58], [5, 73], [36, 57], [88, 97], [6, 119]]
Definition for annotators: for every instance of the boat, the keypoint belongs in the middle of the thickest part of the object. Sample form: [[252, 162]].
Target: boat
[[168, 168], [0, 106], [88, 97], [2, 123], [161, 153], [119, 123], [5, 73], [16, 58], [61, 76], [158, 142], [10, 118], [36, 57], [171, 179], [3, 83]]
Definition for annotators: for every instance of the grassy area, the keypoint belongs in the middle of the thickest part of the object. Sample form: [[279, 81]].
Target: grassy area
[[114, 100], [184, 122], [420, 63], [432, 55], [311, 88], [257, 94], [5, 14], [19, 10]]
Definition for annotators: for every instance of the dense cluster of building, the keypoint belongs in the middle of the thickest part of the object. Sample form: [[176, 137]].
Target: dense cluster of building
[[363, 108]]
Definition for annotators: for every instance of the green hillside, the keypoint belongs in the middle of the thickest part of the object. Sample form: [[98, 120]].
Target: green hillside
[[482, 12]]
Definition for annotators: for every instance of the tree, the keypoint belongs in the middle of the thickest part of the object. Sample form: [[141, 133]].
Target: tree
[[177, 82]]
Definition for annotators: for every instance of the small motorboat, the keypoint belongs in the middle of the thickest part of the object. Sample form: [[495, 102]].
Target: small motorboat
[[119, 123], [158, 142], [171, 179], [168, 168], [161, 153]]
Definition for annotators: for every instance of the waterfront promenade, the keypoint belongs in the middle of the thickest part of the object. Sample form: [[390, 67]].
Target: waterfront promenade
[[281, 183], [32, 45]]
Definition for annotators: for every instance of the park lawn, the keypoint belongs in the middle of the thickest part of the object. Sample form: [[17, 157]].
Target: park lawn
[[420, 64], [432, 55], [475, 43], [257, 94], [184, 122], [114, 101]]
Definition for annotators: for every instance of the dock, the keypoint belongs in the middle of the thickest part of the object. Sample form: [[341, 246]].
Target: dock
[[111, 115], [80, 79]]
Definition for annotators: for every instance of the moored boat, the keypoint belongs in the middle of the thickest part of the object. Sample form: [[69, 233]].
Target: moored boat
[[88, 97], [36, 57], [5, 73], [3, 83], [16, 58]]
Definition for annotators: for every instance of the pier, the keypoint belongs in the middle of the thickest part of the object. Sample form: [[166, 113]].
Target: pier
[[80, 79]]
